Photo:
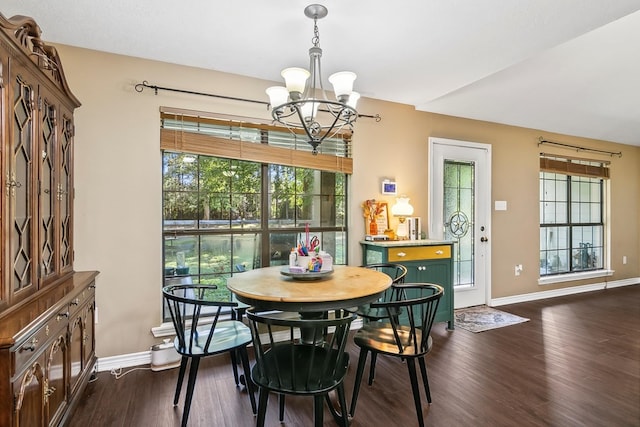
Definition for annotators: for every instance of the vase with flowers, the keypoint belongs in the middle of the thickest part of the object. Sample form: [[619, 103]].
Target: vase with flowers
[[372, 210]]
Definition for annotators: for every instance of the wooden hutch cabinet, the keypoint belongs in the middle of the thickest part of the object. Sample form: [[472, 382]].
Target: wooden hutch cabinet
[[47, 344], [427, 261]]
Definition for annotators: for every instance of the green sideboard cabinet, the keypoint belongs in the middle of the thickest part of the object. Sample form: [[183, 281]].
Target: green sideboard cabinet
[[427, 261]]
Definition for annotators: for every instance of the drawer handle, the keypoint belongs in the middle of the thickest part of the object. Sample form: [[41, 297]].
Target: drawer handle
[[402, 254], [439, 252], [31, 346], [49, 391], [62, 315], [75, 302], [92, 286]]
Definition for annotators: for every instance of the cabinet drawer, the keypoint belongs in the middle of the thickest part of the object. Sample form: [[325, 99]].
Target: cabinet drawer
[[415, 253], [37, 342], [80, 300]]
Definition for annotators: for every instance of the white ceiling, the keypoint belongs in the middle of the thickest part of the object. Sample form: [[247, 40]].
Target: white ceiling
[[566, 66]]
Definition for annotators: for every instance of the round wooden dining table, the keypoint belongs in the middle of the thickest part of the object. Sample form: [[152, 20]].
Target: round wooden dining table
[[269, 289]]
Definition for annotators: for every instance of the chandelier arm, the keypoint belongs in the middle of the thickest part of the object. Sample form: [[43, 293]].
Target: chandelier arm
[[319, 77], [313, 140], [293, 105]]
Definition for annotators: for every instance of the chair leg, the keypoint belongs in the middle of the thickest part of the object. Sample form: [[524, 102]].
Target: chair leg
[[193, 373], [263, 397], [247, 376], [411, 366], [183, 368], [340, 414], [425, 379], [372, 367], [281, 398], [318, 410], [234, 365], [362, 359]]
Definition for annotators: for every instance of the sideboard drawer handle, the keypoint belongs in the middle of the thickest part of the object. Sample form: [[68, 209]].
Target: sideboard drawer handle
[[402, 254], [31, 346], [62, 316], [439, 252]]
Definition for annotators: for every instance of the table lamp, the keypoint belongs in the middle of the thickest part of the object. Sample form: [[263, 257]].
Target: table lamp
[[402, 209]]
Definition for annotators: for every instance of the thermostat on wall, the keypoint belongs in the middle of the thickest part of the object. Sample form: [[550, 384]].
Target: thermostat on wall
[[389, 187]]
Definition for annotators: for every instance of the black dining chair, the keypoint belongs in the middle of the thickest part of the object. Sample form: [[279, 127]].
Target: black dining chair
[[195, 312], [300, 356], [405, 336]]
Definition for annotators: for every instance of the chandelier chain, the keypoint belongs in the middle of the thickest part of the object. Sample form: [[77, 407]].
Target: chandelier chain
[[316, 33]]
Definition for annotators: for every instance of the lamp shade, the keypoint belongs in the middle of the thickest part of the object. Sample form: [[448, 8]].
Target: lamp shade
[[402, 207], [295, 79], [278, 95], [342, 84], [353, 99], [310, 109]]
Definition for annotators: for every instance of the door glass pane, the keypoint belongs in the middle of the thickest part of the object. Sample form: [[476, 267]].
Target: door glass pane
[[459, 193]]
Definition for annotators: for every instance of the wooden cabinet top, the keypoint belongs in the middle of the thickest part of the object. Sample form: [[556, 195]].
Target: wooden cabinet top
[[397, 243], [21, 321]]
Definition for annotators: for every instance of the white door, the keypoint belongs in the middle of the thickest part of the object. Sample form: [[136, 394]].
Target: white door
[[460, 210]]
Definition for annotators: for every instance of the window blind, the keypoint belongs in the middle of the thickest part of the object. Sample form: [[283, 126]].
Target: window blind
[[249, 139], [574, 166]]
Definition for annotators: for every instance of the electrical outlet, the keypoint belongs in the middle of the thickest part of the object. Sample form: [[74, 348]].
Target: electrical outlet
[[518, 269], [624, 259]]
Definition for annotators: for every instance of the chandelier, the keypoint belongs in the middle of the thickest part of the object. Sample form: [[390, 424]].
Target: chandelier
[[303, 103]]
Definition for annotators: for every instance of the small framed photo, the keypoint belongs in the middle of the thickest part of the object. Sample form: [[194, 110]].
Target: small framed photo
[[389, 187]]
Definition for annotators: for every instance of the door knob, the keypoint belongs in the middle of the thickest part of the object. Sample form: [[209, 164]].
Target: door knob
[[484, 239]]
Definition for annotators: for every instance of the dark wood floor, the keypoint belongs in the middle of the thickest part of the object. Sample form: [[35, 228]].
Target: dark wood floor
[[576, 363]]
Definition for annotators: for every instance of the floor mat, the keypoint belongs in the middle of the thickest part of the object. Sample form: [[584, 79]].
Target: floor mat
[[482, 318]]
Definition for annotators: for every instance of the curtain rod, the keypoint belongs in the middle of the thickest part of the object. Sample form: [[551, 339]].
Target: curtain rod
[[579, 148], [145, 84]]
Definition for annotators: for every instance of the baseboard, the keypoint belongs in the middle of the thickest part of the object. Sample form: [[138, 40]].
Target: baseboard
[[144, 357], [623, 282], [534, 296], [123, 361]]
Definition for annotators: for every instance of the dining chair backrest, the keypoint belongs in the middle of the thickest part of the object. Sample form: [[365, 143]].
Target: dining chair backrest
[[298, 355], [195, 313], [418, 304], [397, 272]]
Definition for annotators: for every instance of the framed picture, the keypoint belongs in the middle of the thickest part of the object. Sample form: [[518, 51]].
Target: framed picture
[[376, 216], [389, 187]]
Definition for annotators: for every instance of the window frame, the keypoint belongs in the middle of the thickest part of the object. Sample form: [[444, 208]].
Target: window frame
[[195, 144], [571, 169]]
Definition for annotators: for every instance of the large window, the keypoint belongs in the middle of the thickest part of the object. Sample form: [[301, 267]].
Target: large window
[[571, 218], [223, 215]]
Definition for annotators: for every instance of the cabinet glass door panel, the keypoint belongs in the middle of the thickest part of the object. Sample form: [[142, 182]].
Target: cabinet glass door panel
[[47, 191], [19, 180], [65, 193]]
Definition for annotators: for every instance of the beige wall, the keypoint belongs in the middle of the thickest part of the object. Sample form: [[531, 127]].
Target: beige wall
[[118, 182]]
